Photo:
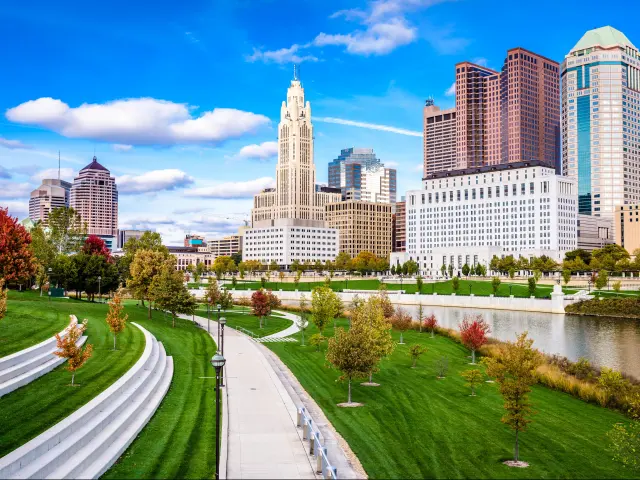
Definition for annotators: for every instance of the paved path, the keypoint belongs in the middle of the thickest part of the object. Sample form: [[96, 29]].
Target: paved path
[[263, 441], [287, 331]]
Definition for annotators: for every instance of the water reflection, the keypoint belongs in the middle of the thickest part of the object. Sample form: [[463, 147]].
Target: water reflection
[[603, 341]]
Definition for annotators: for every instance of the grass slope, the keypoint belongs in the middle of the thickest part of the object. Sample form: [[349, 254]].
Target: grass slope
[[416, 426], [30, 410], [27, 323], [237, 318]]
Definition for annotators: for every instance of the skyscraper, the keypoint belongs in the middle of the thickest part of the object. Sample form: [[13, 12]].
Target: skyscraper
[[360, 175], [439, 139], [508, 116], [601, 120], [53, 193], [94, 196]]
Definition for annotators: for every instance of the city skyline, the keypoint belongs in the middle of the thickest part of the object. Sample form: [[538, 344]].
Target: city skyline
[[171, 171]]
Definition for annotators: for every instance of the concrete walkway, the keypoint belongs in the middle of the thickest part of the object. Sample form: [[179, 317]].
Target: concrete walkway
[[287, 331], [263, 441]]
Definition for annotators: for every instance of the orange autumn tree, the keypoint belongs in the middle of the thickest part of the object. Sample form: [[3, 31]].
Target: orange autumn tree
[[116, 318], [76, 356]]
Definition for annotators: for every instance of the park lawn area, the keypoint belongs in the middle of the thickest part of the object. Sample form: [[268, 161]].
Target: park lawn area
[[417, 426], [237, 318], [27, 323], [611, 293], [179, 441], [32, 409]]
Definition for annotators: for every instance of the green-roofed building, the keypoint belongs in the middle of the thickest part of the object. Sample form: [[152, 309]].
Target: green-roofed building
[[601, 120]]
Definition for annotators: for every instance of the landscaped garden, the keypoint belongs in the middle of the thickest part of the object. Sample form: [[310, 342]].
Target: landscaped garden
[[415, 425], [240, 318]]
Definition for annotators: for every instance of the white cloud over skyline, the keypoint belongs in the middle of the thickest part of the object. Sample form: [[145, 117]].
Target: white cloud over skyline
[[231, 190], [370, 126], [153, 181], [13, 144], [263, 151]]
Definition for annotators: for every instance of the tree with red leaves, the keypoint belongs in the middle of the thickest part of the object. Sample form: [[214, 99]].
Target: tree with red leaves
[[16, 259], [401, 321], [261, 304], [473, 333], [430, 323], [94, 245]]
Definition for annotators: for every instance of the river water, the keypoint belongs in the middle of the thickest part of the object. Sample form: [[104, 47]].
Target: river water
[[605, 342]]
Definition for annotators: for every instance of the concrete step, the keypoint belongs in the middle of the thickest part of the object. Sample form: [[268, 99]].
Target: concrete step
[[78, 445]]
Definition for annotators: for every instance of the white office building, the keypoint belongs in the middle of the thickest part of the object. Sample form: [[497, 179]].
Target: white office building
[[468, 216], [286, 244], [52, 194]]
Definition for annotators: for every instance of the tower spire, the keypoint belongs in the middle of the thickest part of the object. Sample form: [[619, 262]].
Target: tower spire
[[295, 71]]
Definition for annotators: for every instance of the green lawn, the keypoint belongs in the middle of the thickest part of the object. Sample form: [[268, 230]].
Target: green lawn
[[478, 287], [27, 323], [178, 442], [416, 426], [237, 318], [30, 410], [611, 293]]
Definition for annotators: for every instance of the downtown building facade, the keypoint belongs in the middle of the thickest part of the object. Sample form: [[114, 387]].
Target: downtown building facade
[[627, 232], [601, 121], [94, 196], [288, 221], [468, 216], [360, 175], [52, 193], [439, 139]]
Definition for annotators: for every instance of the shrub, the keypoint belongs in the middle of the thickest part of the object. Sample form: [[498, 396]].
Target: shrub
[[532, 285], [615, 307], [455, 284], [495, 284], [617, 286], [316, 340], [442, 366], [415, 352]]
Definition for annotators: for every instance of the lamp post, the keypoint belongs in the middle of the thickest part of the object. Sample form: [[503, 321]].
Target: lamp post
[[49, 292], [99, 286], [470, 290], [218, 306], [208, 319], [589, 281], [222, 322], [218, 362]]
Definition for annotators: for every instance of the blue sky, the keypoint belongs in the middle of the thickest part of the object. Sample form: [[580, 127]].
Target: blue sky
[[168, 94]]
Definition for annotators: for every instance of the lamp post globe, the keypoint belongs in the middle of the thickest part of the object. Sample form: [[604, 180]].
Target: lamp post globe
[[218, 361]]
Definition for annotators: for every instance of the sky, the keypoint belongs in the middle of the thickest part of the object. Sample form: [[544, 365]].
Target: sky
[[181, 100]]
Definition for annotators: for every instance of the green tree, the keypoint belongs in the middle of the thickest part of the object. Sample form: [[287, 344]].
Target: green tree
[[602, 279], [325, 305], [226, 300], [474, 378], [415, 352], [44, 251], [537, 274], [116, 318], [393, 269], [419, 283], [302, 320], [566, 276], [443, 269], [450, 270], [494, 265], [455, 284], [343, 262], [147, 241], [495, 284], [532, 285], [412, 267], [169, 292], [514, 368], [145, 266], [370, 315], [66, 230], [466, 270], [481, 271]]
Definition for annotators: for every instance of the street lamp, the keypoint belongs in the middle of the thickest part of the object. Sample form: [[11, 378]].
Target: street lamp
[[218, 362], [49, 292], [208, 319], [218, 306], [99, 286], [223, 322]]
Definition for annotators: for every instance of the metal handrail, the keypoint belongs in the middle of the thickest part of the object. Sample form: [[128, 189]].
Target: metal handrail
[[248, 332], [323, 466]]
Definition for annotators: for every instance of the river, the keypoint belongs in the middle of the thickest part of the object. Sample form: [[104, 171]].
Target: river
[[605, 342]]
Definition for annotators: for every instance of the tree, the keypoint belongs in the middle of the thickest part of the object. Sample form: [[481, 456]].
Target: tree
[[343, 261], [295, 265], [3, 299], [514, 368], [296, 279], [537, 274], [116, 318], [430, 323], [494, 265], [474, 378], [412, 267], [617, 286], [94, 245], [466, 270], [169, 292], [325, 305], [602, 279], [199, 271], [351, 352], [566, 276], [450, 270], [415, 352], [419, 283], [532, 286], [66, 229], [370, 315], [481, 270], [68, 348], [455, 284], [401, 321], [146, 265], [148, 241], [387, 306], [393, 269], [226, 300], [212, 294], [443, 269], [316, 340], [281, 275], [260, 304], [16, 259], [302, 320], [442, 366], [473, 333], [42, 247], [495, 284], [614, 385]]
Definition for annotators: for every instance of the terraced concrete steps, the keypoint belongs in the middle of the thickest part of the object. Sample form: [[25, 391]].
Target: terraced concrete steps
[[89, 441]]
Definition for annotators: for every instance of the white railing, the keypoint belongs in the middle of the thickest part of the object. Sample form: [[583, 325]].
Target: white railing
[[315, 446], [245, 331]]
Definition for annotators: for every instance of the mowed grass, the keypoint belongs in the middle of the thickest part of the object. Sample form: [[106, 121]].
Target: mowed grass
[[27, 323], [32, 409], [179, 441], [417, 426], [478, 287], [238, 318]]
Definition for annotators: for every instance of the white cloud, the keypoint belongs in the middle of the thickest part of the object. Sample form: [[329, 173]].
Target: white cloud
[[377, 39], [118, 147], [451, 91], [14, 144], [232, 189], [283, 55], [418, 168], [391, 164], [153, 181], [17, 208], [263, 151], [483, 62], [10, 189], [371, 126], [4, 173], [137, 121], [65, 174]]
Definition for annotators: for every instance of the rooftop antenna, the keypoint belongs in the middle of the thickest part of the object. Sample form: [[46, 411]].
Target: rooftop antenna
[[58, 164], [295, 71]]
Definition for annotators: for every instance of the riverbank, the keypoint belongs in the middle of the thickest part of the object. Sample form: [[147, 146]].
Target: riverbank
[[607, 307]]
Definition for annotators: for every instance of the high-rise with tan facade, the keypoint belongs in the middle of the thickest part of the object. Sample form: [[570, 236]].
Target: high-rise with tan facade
[[627, 226], [400, 226], [53, 193], [94, 196], [439, 138], [508, 116], [362, 226]]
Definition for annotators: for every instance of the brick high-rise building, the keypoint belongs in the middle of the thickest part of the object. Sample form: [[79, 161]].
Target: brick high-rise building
[[508, 116], [399, 235], [94, 196], [439, 139]]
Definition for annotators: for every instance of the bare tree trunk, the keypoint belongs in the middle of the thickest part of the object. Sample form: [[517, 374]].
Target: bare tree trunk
[[432, 333], [517, 448], [473, 356], [349, 401], [73, 376], [114, 341], [142, 301], [401, 340], [173, 318], [371, 376], [414, 362]]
